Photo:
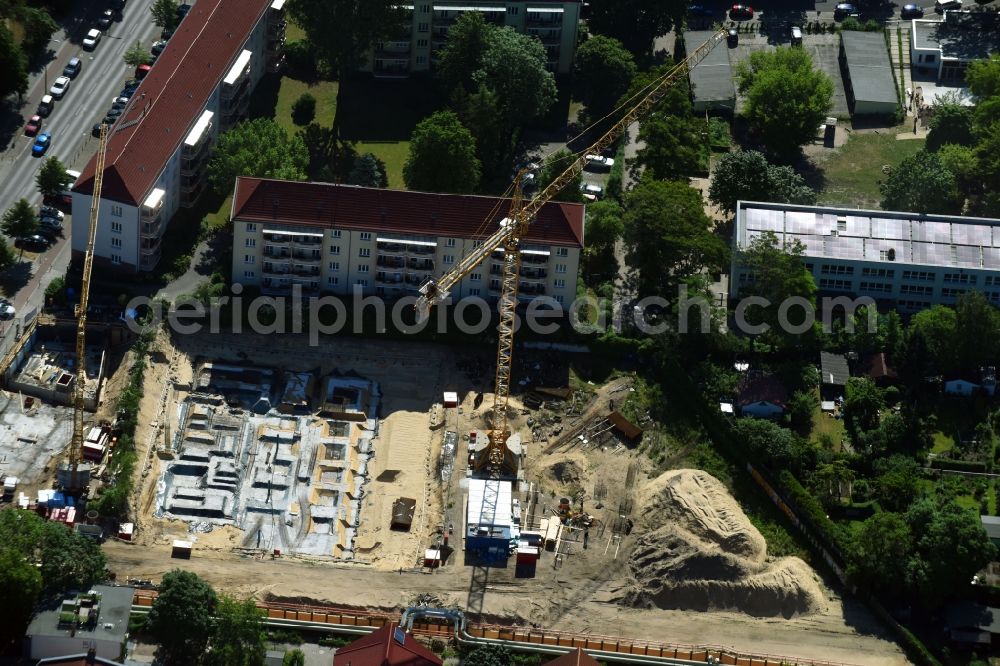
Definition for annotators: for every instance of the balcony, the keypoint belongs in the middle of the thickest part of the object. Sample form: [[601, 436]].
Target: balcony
[[277, 252], [148, 260], [303, 270], [276, 27], [415, 280], [420, 264], [275, 269], [392, 49], [533, 273], [192, 166], [151, 228], [389, 278], [390, 262], [547, 35], [530, 289], [391, 68], [551, 20]]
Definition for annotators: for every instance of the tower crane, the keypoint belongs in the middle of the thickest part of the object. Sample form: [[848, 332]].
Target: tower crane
[[498, 461], [74, 476]]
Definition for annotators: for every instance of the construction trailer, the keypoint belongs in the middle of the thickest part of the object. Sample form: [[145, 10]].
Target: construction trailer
[[489, 521], [402, 514], [182, 549]]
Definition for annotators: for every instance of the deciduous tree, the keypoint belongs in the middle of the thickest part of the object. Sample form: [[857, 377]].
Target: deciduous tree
[[259, 148], [22, 585], [38, 28], [880, 556], [786, 98], [368, 170], [489, 655], [181, 617], [604, 229], [7, 258], [237, 635], [602, 72], [52, 178], [674, 145], [636, 23], [922, 184], [862, 403], [136, 55], [442, 156], [951, 123], [164, 13], [462, 54], [983, 78], [746, 175], [668, 236], [68, 559], [13, 64], [20, 219]]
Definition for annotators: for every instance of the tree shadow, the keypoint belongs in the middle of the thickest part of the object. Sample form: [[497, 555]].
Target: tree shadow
[[264, 101], [16, 277], [371, 109]]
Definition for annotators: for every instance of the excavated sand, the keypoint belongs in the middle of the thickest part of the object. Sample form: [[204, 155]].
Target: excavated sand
[[698, 551]]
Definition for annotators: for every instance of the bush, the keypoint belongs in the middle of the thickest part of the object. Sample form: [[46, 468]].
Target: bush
[[304, 109], [300, 60], [718, 134], [55, 293], [959, 465]]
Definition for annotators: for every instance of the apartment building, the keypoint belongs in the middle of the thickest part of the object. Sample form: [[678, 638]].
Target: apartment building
[[554, 22], [907, 261], [158, 149], [330, 238]]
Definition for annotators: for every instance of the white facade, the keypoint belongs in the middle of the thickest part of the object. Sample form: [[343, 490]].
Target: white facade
[[554, 22], [906, 260]]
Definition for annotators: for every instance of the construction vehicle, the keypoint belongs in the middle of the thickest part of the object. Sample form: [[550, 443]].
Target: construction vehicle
[[74, 476], [498, 461]]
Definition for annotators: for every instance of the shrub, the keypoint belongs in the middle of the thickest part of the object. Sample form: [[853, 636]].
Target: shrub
[[304, 109], [55, 293], [300, 60]]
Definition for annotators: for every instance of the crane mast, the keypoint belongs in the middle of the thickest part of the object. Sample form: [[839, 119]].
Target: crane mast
[[72, 478], [498, 463]]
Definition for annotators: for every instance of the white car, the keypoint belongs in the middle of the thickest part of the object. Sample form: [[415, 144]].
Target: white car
[[599, 162], [92, 38], [59, 87], [591, 191], [7, 310]]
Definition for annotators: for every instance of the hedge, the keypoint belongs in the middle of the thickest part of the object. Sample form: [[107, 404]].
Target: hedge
[[959, 465]]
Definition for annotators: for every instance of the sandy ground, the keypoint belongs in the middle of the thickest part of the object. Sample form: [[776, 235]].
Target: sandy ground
[[580, 593]]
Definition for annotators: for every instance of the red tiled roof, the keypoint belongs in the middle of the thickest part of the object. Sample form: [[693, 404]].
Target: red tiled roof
[[172, 96], [402, 211], [876, 366], [762, 388], [379, 648], [576, 658]]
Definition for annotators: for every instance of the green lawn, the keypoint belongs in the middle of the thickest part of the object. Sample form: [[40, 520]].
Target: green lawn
[[393, 153], [291, 89], [942, 443], [853, 172], [823, 424]]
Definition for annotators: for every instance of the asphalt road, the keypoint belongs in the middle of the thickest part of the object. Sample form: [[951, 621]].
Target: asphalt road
[[85, 103]]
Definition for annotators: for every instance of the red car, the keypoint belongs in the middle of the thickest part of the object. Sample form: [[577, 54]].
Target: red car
[[34, 124], [741, 12], [141, 71]]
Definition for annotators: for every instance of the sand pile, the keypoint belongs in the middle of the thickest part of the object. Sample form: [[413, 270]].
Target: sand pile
[[698, 551]]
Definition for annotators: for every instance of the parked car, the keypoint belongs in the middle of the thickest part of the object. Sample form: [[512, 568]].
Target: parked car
[[911, 12], [66, 196], [36, 242], [72, 68], [49, 211], [591, 191], [59, 87], [7, 310], [599, 162], [106, 19], [119, 102], [118, 5], [45, 106], [114, 112], [91, 40], [158, 46], [166, 33], [95, 131], [50, 222], [845, 9], [142, 70], [182, 11], [941, 6], [740, 12], [699, 11], [34, 124], [42, 143], [732, 38], [796, 35]]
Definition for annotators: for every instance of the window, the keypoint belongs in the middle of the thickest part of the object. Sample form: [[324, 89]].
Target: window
[[249, 259], [960, 278], [559, 283], [952, 292], [560, 268], [478, 243], [922, 276], [879, 287], [334, 249], [916, 289], [837, 270], [494, 284], [992, 280], [476, 277], [249, 274], [448, 259], [364, 252], [362, 283], [362, 268], [425, 9], [421, 43], [251, 227], [116, 258], [251, 242], [421, 60], [333, 281], [116, 227], [116, 210], [841, 224], [116, 242], [513, 10], [334, 266], [834, 285], [450, 242], [559, 299], [878, 272], [366, 235], [562, 252], [334, 233], [421, 27], [473, 292]]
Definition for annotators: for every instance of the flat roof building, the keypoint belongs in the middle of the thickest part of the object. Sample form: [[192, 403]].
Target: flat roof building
[[868, 76], [97, 619], [905, 260], [712, 86], [489, 520], [334, 238], [158, 148], [946, 46]]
